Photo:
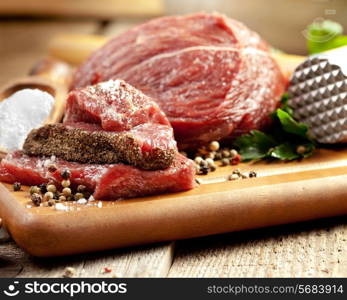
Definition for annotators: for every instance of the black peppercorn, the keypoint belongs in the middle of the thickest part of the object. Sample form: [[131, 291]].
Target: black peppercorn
[[17, 186], [43, 188], [252, 174], [36, 199], [65, 174]]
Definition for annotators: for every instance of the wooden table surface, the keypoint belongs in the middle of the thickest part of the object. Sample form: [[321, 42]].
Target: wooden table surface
[[312, 249]]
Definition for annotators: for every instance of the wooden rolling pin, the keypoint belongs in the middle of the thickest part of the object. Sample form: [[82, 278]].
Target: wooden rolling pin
[[75, 48]]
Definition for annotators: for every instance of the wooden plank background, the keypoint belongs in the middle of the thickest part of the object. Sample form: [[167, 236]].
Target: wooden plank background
[[313, 249]]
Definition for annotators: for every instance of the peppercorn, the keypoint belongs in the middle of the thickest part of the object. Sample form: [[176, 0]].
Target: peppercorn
[[36, 199], [78, 196], [52, 168], [252, 174], [51, 202], [47, 196], [203, 164], [225, 153], [301, 149], [51, 188], [17, 186], [204, 170], [66, 183], [62, 198], [34, 190], [66, 174], [218, 156], [243, 176], [237, 171], [210, 155], [66, 192], [81, 188], [225, 161], [233, 177], [236, 160], [233, 153], [43, 188], [198, 160], [209, 162], [213, 168], [214, 146], [197, 169]]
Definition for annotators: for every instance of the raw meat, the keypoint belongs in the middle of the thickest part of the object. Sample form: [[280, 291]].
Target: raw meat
[[212, 76], [106, 181], [147, 146], [114, 105]]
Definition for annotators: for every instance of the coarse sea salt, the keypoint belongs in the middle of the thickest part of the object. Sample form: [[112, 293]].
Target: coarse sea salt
[[20, 113]]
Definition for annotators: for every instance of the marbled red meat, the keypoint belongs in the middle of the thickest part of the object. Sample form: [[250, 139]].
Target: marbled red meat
[[106, 181], [212, 76]]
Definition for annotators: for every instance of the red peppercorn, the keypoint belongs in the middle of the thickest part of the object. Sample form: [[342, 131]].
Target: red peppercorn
[[107, 270], [236, 160]]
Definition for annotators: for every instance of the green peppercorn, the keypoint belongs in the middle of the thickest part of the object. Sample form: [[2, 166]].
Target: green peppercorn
[[17, 186]]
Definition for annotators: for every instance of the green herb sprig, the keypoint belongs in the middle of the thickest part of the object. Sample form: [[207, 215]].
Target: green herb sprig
[[287, 139]]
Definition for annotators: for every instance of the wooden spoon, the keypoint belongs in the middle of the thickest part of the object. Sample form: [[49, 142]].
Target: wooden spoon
[[49, 75]]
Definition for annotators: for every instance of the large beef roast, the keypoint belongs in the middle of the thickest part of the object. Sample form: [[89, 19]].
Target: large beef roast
[[212, 76], [107, 181]]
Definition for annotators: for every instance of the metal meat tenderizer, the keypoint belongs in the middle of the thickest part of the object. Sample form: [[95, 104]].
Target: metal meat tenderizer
[[318, 95]]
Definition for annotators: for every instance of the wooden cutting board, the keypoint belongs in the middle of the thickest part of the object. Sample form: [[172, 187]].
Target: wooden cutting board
[[282, 193]]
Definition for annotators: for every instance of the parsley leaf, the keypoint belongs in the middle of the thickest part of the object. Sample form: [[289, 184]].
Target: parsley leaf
[[286, 139]]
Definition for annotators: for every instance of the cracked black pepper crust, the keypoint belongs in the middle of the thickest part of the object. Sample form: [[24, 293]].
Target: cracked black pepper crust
[[99, 147]]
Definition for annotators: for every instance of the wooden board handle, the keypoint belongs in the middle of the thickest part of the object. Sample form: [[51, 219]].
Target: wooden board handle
[[75, 48]]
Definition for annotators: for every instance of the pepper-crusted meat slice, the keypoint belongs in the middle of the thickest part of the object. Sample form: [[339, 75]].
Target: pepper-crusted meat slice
[[147, 146], [109, 181]]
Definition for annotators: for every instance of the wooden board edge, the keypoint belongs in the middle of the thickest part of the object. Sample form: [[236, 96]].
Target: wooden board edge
[[140, 222]]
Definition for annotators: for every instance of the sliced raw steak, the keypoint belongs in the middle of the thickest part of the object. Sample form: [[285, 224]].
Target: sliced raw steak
[[114, 105], [147, 146], [212, 76], [107, 181]]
